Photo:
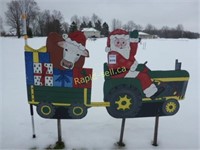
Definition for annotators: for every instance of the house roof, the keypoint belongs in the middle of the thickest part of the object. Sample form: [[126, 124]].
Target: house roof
[[89, 29], [143, 33]]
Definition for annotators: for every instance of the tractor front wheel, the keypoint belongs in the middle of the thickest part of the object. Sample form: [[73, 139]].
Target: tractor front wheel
[[170, 107]]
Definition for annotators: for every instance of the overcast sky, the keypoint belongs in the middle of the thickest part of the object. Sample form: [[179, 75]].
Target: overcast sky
[[156, 12]]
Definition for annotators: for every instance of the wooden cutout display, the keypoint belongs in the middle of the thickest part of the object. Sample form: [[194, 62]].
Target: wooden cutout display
[[60, 88]]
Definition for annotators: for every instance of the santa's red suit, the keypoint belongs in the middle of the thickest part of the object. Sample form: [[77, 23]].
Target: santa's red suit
[[130, 63]]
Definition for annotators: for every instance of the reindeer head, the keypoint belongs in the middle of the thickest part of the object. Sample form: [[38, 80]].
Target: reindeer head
[[72, 50]]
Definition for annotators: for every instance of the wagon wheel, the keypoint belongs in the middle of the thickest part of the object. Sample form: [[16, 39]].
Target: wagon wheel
[[46, 110], [170, 107], [125, 101], [77, 111]]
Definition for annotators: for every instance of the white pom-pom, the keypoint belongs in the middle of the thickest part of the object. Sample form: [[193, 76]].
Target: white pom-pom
[[65, 36], [107, 49]]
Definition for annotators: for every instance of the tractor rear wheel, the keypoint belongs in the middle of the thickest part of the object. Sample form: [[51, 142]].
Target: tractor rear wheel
[[125, 101]]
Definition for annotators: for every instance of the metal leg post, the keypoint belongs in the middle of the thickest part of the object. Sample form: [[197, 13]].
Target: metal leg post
[[156, 130], [59, 144], [59, 131], [121, 143], [32, 119]]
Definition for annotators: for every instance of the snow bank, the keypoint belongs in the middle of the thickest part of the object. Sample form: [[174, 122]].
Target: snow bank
[[98, 130]]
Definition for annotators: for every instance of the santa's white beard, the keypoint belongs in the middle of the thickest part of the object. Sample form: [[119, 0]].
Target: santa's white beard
[[125, 52]]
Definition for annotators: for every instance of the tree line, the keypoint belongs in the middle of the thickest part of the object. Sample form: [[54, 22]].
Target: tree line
[[41, 23]]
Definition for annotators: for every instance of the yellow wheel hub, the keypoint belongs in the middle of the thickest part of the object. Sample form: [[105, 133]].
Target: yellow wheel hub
[[171, 107], [123, 103]]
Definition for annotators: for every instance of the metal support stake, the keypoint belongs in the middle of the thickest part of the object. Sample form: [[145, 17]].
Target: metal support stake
[[32, 119], [59, 144], [156, 130], [120, 143], [59, 131], [24, 22]]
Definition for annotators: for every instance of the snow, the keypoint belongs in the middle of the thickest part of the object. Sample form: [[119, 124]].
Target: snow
[[98, 130], [89, 29]]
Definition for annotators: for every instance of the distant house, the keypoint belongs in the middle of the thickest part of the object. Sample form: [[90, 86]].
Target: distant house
[[144, 35], [91, 33]]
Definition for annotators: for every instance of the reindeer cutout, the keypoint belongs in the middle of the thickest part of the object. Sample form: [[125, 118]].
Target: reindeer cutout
[[67, 51], [72, 51]]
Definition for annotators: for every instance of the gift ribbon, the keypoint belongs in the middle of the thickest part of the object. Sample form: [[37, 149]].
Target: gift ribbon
[[62, 77], [35, 52]]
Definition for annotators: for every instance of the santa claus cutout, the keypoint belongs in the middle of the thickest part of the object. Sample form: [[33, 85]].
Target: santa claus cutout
[[122, 48]]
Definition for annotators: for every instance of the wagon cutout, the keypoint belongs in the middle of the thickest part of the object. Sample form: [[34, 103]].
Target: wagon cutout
[[57, 83]]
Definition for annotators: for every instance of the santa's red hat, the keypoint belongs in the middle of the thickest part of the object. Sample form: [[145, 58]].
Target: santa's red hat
[[77, 38], [119, 33]]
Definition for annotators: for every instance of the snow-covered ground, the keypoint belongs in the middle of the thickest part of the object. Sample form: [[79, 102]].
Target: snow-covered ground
[[98, 130]]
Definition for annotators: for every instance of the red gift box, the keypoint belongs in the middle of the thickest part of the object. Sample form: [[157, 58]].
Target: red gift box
[[82, 78]]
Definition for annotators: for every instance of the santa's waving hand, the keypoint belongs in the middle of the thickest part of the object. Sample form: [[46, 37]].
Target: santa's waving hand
[[122, 48]]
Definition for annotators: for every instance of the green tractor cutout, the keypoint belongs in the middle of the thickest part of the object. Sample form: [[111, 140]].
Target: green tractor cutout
[[132, 89]]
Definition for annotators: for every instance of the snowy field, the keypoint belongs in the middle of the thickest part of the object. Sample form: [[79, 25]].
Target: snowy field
[[98, 130]]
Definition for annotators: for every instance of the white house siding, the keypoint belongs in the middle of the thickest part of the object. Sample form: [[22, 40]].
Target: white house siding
[[147, 36], [91, 32]]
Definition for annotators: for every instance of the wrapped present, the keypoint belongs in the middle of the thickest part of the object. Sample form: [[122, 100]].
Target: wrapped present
[[82, 78], [29, 68], [34, 56], [62, 78], [43, 74], [38, 55]]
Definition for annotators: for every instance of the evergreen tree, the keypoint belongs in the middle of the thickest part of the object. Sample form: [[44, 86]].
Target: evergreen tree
[[73, 27], [83, 25], [29, 32], [98, 25], [53, 26], [56, 26], [105, 29], [89, 24]]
